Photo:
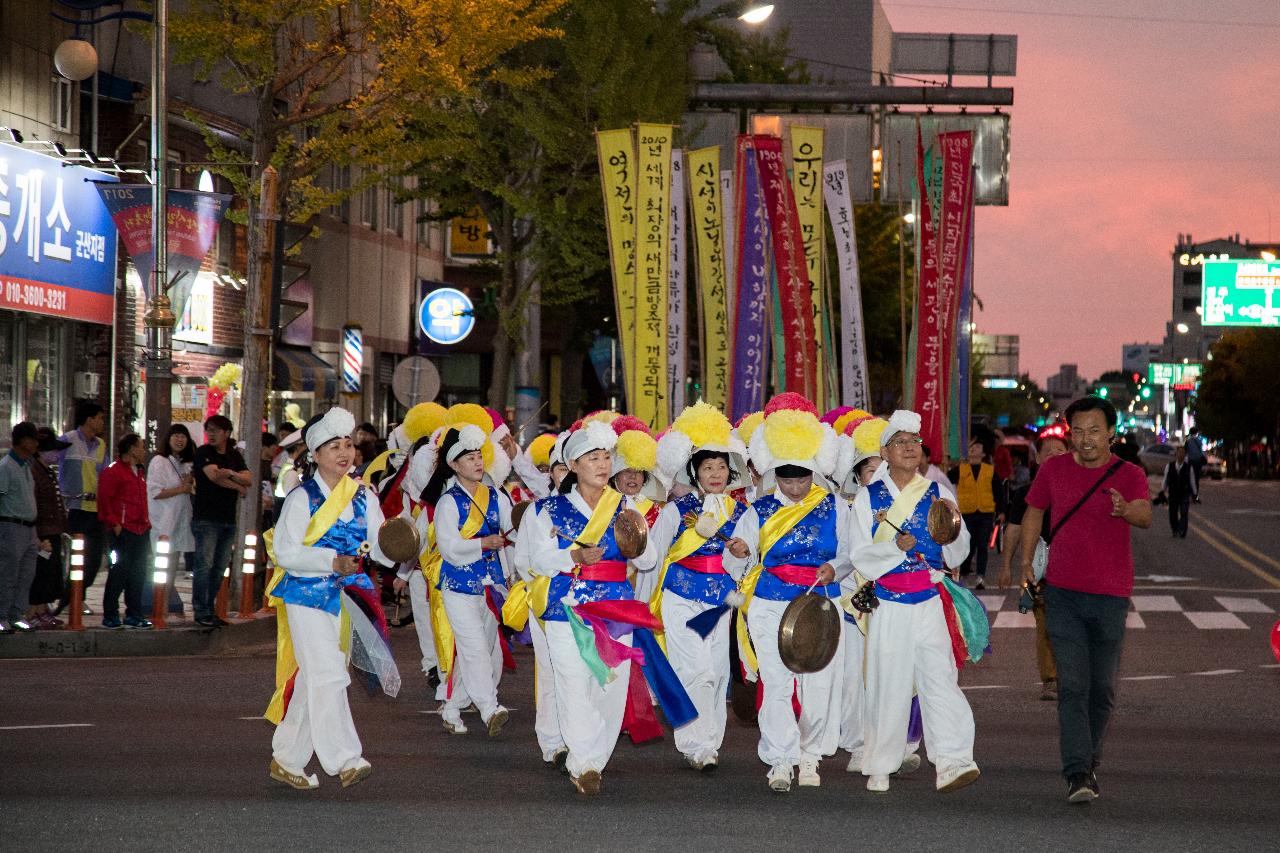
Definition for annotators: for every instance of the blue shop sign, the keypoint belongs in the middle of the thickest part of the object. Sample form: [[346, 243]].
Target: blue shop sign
[[446, 315]]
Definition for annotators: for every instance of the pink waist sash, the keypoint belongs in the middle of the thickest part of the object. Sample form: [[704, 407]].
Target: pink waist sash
[[916, 581], [706, 564], [799, 575]]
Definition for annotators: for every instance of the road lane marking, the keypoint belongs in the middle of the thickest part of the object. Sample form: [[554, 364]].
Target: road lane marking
[[1243, 546], [1133, 619], [1217, 621], [1014, 619], [1269, 666], [1145, 677], [1243, 605], [1155, 604], [48, 726], [984, 687], [993, 603], [1218, 672]]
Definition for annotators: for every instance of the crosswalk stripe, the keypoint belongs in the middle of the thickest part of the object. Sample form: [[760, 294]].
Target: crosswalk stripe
[[1133, 619], [1216, 621], [1243, 605], [1156, 603], [1014, 619]]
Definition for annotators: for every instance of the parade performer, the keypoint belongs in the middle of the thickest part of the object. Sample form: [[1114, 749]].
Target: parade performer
[[909, 642], [697, 451], [641, 483], [472, 519], [742, 432], [327, 608], [411, 578], [595, 628], [792, 539]]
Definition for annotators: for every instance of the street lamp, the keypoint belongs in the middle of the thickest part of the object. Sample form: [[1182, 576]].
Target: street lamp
[[1182, 328], [756, 13]]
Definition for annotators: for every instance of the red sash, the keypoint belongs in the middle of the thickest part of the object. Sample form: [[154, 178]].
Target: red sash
[[903, 582], [798, 575], [706, 564], [605, 570]]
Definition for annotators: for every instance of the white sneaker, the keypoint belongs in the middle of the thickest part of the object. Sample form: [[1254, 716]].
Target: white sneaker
[[855, 763], [910, 764], [956, 776], [497, 720], [695, 761], [808, 776], [453, 722], [878, 784], [780, 778]]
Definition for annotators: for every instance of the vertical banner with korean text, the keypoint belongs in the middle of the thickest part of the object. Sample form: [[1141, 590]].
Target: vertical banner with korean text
[[795, 297], [750, 340], [853, 351], [927, 398], [615, 150], [806, 186], [653, 203], [677, 304], [707, 223], [953, 238], [730, 208]]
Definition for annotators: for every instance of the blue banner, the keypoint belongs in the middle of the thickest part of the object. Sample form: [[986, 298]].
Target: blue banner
[[752, 304], [57, 244]]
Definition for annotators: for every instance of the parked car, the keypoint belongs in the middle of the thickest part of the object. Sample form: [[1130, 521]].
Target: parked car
[[1155, 457]]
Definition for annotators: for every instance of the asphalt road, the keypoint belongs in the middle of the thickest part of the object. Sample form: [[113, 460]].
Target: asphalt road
[[158, 754]]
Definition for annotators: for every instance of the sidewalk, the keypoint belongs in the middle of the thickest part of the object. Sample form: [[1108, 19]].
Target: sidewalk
[[182, 636]]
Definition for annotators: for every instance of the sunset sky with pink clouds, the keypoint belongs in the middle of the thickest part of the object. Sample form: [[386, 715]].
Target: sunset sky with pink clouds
[[1123, 135]]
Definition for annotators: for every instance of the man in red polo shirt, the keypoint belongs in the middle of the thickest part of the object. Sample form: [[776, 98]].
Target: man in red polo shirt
[[1093, 498]]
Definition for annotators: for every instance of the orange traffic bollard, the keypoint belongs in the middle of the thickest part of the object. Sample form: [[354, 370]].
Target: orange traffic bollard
[[224, 592], [75, 616], [247, 566], [160, 583]]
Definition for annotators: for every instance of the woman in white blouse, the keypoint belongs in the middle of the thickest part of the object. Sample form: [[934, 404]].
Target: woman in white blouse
[[170, 485]]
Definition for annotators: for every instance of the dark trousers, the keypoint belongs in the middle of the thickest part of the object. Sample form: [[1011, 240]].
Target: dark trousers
[[128, 574], [1179, 514], [213, 554], [95, 536], [1087, 632], [980, 525]]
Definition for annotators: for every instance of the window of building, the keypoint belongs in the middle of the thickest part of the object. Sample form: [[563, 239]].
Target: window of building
[[1192, 277], [61, 105], [369, 207], [1190, 303]]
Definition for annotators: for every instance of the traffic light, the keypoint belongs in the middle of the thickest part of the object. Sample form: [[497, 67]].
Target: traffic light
[[1102, 391], [1146, 392]]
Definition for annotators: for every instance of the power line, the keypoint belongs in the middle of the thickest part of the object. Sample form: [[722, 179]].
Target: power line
[[1143, 19]]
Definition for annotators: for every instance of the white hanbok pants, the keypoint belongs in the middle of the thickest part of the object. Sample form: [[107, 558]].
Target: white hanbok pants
[[703, 668], [590, 715], [546, 721], [854, 692], [422, 620], [318, 721], [908, 645], [784, 739], [477, 666]]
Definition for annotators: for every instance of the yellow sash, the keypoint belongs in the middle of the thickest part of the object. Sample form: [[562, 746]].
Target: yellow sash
[[686, 543], [286, 663], [597, 526], [778, 525], [902, 508], [643, 505], [379, 464]]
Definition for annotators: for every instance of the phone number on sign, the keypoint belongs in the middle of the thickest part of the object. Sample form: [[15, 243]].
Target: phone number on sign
[[34, 296]]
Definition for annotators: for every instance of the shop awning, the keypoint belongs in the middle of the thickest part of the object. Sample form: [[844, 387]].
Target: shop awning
[[303, 370]]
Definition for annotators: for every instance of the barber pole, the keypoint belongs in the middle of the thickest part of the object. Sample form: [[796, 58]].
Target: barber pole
[[352, 358]]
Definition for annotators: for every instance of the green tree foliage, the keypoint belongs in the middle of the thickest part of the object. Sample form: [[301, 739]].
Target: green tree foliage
[[1239, 396]]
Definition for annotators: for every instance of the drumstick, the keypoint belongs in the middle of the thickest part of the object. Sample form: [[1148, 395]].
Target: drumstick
[[570, 539], [691, 521]]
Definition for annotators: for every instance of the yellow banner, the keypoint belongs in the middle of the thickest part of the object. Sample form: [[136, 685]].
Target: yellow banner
[[469, 235], [653, 234], [806, 185], [615, 150], [707, 224]]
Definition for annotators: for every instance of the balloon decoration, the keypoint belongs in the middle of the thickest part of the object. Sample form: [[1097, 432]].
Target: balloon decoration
[[223, 378]]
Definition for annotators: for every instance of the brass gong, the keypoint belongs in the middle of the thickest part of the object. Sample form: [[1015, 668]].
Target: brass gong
[[809, 633], [399, 540], [944, 521], [631, 532]]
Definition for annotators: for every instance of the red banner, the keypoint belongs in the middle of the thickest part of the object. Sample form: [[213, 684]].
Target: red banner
[[930, 369], [793, 275], [957, 207]]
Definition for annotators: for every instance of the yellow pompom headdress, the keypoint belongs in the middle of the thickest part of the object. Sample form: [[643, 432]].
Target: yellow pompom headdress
[[699, 427], [793, 435]]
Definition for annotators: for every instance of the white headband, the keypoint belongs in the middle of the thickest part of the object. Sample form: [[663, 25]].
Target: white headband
[[336, 423], [902, 420], [593, 435], [470, 438]]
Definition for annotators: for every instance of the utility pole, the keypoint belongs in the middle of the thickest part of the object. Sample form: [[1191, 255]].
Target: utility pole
[[159, 318], [257, 360]]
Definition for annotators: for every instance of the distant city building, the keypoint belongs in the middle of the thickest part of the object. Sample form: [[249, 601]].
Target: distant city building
[[1194, 343], [1134, 358], [1065, 386], [997, 354]]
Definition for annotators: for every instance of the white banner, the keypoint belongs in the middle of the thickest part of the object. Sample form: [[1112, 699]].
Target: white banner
[[730, 244], [677, 313], [853, 363]]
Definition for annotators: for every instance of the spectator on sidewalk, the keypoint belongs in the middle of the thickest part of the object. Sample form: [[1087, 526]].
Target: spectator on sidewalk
[[18, 543], [1093, 499], [170, 485], [1195, 455], [78, 468], [49, 585], [980, 495], [122, 508], [221, 478], [289, 476], [1181, 485]]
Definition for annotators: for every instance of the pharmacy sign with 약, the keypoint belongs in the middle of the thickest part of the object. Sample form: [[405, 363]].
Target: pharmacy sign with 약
[[446, 315]]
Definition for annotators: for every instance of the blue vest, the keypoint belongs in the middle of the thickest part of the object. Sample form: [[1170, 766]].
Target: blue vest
[[917, 524], [698, 586], [470, 578], [811, 542], [566, 518], [323, 592]]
